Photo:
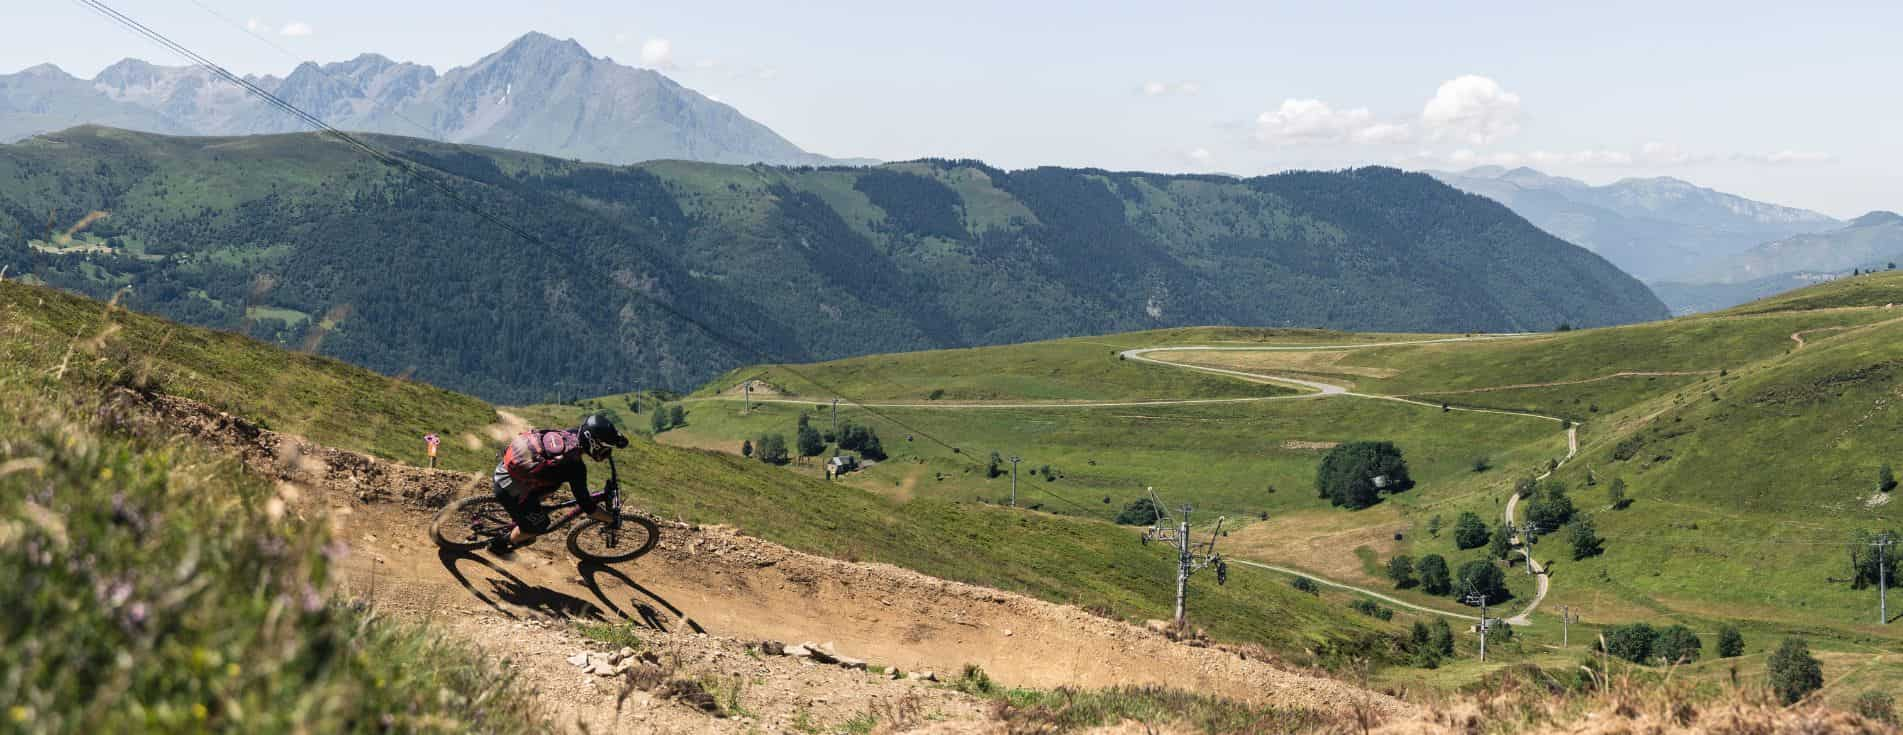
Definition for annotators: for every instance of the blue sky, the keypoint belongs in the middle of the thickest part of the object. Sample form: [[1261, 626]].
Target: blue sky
[[1790, 103]]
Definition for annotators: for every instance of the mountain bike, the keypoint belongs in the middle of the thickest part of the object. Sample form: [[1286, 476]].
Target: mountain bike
[[470, 523]]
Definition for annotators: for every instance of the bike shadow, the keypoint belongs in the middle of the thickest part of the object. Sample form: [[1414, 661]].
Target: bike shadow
[[511, 593], [665, 618]]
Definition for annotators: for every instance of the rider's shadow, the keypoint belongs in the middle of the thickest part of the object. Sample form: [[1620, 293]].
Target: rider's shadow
[[510, 591], [654, 611]]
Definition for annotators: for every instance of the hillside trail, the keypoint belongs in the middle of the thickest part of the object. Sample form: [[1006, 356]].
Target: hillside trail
[[706, 593]]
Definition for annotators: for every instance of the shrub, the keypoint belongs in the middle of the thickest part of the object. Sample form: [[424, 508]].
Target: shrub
[[1443, 637], [1469, 532], [1369, 608], [1525, 486], [1794, 673], [1401, 570], [1306, 585], [1879, 706], [676, 416], [1585, 539], [1615, 494], [1500, 547], [1354, 474], [1730, 642], [1677, 644], [1433, 526], [1139, 512], [973, 680], [746, 447], [1434, 577], [1886, 479], [1482, 464]]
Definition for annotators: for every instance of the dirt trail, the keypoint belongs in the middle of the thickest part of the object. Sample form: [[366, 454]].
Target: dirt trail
[[1581, 381], [735, 588]]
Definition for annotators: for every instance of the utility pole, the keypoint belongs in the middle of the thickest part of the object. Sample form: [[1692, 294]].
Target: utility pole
[[1567, 616], [1190, 557], [1014, 479], [1475, 598], [835, 419], [746, 389], [1882, 546], [1526, 547]]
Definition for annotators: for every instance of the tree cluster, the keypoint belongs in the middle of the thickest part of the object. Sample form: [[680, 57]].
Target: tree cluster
[[1641, 643], [1355, 474], [771, 449]]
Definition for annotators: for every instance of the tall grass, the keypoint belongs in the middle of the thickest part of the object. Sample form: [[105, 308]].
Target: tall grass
[[150, 587]]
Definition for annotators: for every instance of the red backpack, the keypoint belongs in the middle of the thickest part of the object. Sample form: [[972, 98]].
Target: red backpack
[[532, 454]]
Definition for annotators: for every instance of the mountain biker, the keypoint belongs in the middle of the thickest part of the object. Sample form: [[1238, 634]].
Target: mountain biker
[[539, 461]]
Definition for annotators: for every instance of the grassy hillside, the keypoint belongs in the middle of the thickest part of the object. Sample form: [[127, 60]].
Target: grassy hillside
[[1080, 368], [153, 588], [1053, 557], [1750, 457], [285, 236], [82, 342]]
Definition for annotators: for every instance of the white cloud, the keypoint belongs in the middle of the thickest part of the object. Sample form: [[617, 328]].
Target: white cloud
[[1155, 88], [622, 37], [1314, 121], [296, 29], [1472, 109], [658, 53], [255, 25], [1785, 158], [1384, 133]]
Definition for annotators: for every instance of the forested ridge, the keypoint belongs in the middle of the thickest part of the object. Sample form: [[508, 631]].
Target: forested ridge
[[300, 240]]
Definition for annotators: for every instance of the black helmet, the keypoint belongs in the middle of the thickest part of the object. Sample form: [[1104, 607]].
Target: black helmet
[[600, 435]]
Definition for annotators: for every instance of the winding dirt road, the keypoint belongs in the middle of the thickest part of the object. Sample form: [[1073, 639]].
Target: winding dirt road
[[1318, 390]]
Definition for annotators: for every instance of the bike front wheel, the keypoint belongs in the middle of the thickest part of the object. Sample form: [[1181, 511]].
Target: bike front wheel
[[470, 523], [608, 543]]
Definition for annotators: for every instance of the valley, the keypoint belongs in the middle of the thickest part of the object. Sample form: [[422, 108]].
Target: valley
[[1691, 417]]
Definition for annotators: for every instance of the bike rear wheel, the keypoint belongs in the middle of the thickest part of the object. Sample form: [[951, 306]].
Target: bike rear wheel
[[607, 543], [470, 523]]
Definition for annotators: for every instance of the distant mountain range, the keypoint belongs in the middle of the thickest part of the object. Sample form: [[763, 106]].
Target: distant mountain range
[[1657, 229], [298, 239], [537, 94], [1871, 242]]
